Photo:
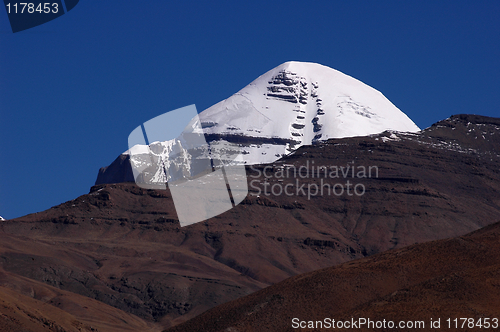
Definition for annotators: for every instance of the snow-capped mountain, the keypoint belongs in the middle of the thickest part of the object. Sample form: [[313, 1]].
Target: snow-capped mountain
[[291, 105], [297, 104]]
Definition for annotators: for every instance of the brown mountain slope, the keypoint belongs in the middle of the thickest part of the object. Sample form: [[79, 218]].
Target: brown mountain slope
[[29, 305], [122, 245], [453, 278]]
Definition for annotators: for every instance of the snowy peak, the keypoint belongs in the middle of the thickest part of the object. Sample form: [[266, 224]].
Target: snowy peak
[[305, 102], [301, 103], [294, 104]]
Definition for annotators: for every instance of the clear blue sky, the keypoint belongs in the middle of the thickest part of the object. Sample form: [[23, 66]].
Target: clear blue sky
[[72, 90]]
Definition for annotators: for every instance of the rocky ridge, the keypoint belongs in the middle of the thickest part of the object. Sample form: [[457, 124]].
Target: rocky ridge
[[122, 246]]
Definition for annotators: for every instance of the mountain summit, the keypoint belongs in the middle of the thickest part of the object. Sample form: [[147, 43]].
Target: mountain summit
[[294, 104], [301, 103]]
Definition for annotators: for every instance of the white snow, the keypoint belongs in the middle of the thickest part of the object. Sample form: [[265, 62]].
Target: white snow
[[297, 103], [350, 107], [302, 102]]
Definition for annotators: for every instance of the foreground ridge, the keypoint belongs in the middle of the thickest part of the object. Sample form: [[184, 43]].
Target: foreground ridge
[[415, 285]]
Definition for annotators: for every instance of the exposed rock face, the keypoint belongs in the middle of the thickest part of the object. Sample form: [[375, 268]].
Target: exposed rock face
[[119, 171], [122, 245]]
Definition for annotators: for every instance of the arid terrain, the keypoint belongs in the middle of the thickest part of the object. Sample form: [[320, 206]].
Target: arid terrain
[[452, 278], [116, 259]]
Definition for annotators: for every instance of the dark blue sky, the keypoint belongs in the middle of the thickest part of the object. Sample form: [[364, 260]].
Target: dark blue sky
[[72, 90]]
